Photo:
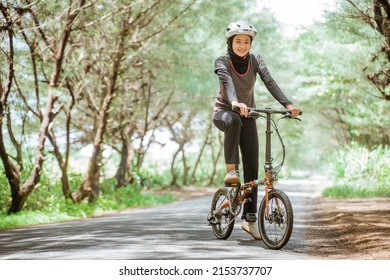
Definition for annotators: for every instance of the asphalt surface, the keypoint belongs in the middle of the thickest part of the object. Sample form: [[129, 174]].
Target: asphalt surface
[[178, 231]]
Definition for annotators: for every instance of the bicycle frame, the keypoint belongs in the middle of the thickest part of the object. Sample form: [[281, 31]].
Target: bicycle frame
[[268, 168], [270, 174], [275, 220]]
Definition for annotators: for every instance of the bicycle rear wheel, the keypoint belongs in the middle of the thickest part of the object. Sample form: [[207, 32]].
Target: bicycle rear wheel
[[222, 218], [276, 228]]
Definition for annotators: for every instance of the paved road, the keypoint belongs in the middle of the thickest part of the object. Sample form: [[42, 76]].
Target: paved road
[[169, 232]]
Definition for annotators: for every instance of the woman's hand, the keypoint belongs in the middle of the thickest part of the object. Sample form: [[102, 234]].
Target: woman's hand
[[243, 108], [293, 110]]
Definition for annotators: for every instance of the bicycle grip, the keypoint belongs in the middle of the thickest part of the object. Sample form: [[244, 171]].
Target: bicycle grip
[[300, 112]]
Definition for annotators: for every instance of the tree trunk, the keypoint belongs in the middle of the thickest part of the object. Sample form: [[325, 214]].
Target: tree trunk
[[215, 160], [124, 174], [90, 186], [205, 142], [63, 167], [12, 174], [174, 182], [20, 193], [186, 168]]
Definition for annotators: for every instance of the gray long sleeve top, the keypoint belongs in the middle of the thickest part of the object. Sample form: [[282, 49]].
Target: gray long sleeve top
[[240, 87]]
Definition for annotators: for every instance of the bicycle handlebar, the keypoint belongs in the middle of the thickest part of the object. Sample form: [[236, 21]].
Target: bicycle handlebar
[[254, 111]]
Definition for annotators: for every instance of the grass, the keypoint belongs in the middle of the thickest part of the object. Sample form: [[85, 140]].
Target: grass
[[356, 171], [26, 218], [61, 210], [359, 172], [47, 205], [354, 192]]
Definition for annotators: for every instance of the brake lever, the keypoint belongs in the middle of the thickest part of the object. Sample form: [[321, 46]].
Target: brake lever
[[288, 116]]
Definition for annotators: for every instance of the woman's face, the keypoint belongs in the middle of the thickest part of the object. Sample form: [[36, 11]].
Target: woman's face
[[241, 44]]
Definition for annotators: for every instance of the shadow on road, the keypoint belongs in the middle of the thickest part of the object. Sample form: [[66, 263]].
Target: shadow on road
[[175, 231]]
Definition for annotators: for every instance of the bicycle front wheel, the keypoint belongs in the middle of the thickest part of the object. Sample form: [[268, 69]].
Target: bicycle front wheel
[[222, 220], [276, 224]]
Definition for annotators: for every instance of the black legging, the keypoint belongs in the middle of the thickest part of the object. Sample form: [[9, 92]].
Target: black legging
[[241, 132]]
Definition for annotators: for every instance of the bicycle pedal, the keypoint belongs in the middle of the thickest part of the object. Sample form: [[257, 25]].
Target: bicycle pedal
[[247, 200], [210, 217]]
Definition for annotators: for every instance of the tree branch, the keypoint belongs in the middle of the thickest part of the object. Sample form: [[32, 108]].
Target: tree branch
[[10, 58], [161, 29]]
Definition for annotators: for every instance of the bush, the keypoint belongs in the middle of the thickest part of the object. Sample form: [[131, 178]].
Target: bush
[[47, 204], [5, 192], [360, 172]]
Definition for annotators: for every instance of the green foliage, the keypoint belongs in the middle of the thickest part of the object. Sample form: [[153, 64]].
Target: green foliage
[[30, 218], [332, 77], [151, 177], [5, 193], [47, 204], [129, 196], [360, 172]]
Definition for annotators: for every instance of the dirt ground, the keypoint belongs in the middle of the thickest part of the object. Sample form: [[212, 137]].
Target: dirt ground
[[349, 229]]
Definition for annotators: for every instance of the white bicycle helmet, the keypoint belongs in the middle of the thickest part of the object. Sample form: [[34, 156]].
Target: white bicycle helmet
[[240, 27]]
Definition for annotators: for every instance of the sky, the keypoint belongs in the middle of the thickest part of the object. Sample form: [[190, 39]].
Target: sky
[[297, 12]]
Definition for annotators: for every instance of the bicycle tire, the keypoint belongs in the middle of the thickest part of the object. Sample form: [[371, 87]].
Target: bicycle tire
[[223, 219], [277, 229]]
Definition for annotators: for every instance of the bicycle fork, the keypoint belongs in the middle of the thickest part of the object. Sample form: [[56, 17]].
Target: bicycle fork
[[268, 187]]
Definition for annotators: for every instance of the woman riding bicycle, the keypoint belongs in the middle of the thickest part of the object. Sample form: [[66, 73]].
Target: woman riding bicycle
[[237, 76]]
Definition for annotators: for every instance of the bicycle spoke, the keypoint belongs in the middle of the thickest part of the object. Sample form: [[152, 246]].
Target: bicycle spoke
[[222, 219], [276, 225]]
